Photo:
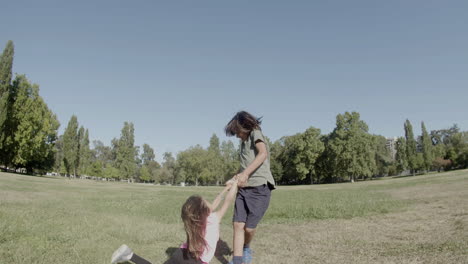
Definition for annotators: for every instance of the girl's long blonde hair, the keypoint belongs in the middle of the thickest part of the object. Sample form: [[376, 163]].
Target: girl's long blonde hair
[[194, 213]]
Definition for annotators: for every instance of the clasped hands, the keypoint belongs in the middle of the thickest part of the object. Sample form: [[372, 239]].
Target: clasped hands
[[240, 179]]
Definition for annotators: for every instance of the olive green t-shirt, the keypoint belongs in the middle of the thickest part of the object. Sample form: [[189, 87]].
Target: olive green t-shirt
[[248, 152]]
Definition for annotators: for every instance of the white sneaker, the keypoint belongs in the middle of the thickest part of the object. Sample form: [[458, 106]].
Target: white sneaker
[[122, 254]]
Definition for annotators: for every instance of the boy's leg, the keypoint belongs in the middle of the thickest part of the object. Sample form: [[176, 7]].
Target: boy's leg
[[257, 202], [246, 251], [238, 222], [239, 237], [249, 234]]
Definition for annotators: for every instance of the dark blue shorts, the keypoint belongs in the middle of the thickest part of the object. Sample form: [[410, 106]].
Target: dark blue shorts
[[251, 204]]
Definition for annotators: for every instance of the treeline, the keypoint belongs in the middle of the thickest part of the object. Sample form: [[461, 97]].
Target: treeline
[[122, 160], [350, 152], [29, 141]]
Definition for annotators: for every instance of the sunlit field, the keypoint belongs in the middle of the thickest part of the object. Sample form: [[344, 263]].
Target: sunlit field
[[419, 219]]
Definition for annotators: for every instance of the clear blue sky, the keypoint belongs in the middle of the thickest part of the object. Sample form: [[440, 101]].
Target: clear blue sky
[[179, 70]]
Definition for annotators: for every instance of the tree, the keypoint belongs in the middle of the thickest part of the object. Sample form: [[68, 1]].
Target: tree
[[215, 166], [58, 155], [230, 160], [148, 154], [444, 136], [400, 159], [383, 158], [458, 151], [126, 152], [351, 147], [192, 164], [79, 157], [6, 103], [145, 174], [153, 168], [103, 153], [70, 146], [299, 155], [96, 169], [167, 171], [6, 67], [325, 162], [111, 173], [36, 128], [85, 153], [440, 163], [411, 155], [426, 146]]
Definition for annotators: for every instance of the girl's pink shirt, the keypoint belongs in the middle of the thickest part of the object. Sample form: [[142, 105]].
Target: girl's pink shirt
[[211, 237]]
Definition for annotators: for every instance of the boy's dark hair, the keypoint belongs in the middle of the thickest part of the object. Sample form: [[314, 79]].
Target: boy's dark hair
[[242, 122]]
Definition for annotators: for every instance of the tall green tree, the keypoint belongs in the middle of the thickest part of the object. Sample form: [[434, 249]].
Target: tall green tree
[[149, 168], [127, 152], [214, 164], [300, 154], [145, 175], [383, 157], [192, 164], [36, 131], [70, 147], [167, 173], [351, 147], [230, 159], [6, 65], [6, 68], [79, 157], [103, 153], [453, 144], [58, 164], [6, 103], [96, 169], [427, 149], [411, 147], [84, 151], [458, 150], [325, 162], [148, 154], [400, 159]]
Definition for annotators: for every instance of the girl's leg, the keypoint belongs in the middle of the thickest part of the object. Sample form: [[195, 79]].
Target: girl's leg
[[139, 260], [125, 254]]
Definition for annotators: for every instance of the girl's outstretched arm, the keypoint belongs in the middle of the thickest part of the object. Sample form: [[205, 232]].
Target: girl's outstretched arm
[[218, 198], [229, 198]]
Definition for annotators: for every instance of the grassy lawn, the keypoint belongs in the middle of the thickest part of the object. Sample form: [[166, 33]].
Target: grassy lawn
[[420, 219]]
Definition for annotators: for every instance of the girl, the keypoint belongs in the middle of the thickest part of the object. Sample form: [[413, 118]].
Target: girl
[[255, 181], [201, 223]]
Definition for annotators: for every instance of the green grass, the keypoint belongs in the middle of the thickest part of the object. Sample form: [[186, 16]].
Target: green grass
[[296, 206], [56, 220]]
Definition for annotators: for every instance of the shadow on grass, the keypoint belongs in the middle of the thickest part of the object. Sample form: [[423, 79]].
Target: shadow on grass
[[180, 256]]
